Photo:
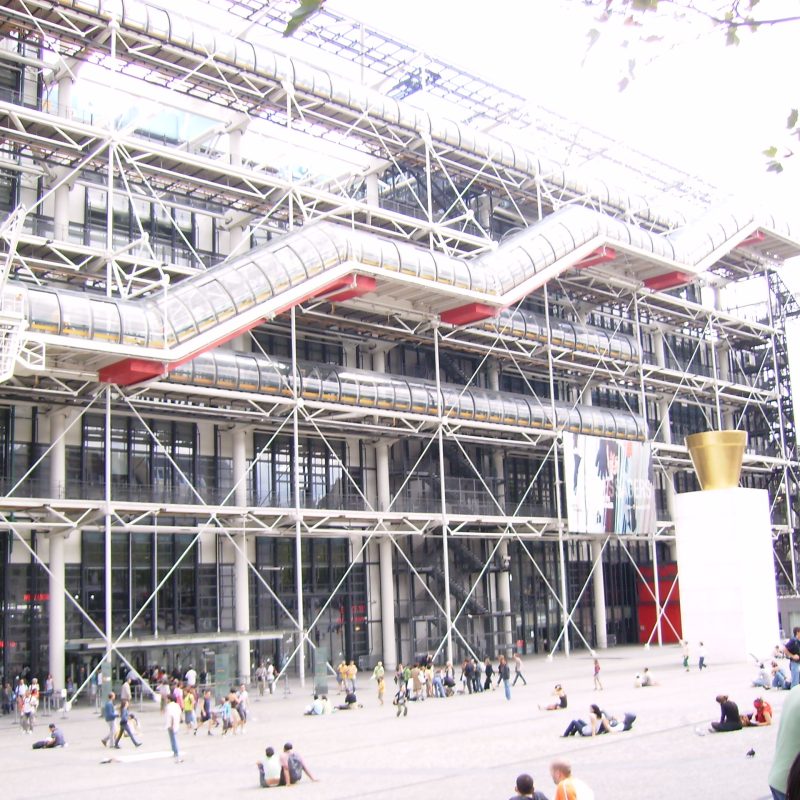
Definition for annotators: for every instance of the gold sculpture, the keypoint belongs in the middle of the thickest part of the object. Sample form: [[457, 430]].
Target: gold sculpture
[[717, 457]]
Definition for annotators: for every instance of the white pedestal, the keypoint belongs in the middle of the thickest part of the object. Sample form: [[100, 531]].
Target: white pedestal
[[727, 574]]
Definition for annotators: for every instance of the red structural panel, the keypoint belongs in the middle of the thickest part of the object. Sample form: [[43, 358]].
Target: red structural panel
[[464, 315], [130, 371], [361, 285], [669, 280], [600, 256], [753, 238], [647, 610]]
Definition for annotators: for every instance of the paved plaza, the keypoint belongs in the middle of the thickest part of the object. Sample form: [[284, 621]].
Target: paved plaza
[[465, 746]]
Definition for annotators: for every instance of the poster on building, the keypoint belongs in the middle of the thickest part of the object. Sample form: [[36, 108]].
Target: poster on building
[[610, 487]]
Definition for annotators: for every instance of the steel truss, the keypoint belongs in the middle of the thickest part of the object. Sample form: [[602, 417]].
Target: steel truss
[[449, 188]]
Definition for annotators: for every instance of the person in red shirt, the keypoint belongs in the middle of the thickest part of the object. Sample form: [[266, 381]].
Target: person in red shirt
[[763, 712]]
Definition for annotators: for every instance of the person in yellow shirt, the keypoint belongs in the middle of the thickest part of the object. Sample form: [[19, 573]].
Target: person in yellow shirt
[[188, 711]]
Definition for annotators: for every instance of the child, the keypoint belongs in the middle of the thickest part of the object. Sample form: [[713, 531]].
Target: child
[[381, 689], [401, 700]]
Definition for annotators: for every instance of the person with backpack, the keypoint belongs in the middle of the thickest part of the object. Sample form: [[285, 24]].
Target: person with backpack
[[292, 766]]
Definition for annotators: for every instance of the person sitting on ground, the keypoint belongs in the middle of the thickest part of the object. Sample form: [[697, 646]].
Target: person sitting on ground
[[598, 723], [762, 679], [729, 720], [524, 789], [762, 715], [269, 771], [560, 702], [55, 739], [779, 679], [350, 702], [327, 706], [648, 679], [616, 725], [292, 766], [316, 708]]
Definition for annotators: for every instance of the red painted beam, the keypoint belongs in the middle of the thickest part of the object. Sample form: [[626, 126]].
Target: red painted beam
[[361, 285], [669, 280], [464, 315], [345, 282], [601, 255], [754, 238], [130, 371]]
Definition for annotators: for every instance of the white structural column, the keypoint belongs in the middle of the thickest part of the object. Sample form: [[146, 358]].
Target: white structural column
[[56, 617], [241, 581], [61, 193], [663, 401], [722, 361], [503, 577], [236, 233], [386, 553], [598, 577], [599, 590]]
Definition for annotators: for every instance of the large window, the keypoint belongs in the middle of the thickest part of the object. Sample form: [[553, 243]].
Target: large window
[[144, 467], [323, 483]]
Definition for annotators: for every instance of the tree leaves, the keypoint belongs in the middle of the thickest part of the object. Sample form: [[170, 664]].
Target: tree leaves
[[306, 9]]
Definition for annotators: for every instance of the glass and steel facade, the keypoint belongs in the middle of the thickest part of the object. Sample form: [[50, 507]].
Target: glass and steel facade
[[259, 403]]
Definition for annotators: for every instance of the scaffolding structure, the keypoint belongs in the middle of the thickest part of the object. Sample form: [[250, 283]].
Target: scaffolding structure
[[289, 359]]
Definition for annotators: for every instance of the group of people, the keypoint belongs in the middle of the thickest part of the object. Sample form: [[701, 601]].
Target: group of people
[[599, 722], [425, 680], [282, 770], [731, 719], [265, 678], [701, 655], [25, 698], [567, 786]]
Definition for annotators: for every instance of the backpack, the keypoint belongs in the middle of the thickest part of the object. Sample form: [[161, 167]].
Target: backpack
[[295, 767]]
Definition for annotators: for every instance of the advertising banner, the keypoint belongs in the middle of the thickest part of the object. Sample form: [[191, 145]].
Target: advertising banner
[[609, 484]]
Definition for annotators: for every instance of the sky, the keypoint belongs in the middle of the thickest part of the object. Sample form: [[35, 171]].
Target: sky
[[692, 101]]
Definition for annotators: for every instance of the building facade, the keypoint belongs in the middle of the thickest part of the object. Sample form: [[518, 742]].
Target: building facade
[[294, 342]]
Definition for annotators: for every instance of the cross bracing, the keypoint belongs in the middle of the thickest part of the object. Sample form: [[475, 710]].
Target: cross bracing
[[404, 414]]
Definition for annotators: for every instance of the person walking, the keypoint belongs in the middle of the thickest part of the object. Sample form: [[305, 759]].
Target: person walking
[[596, 673], [504, 676], [488, 671], [172, 722], [701, 656], [124, 727], [518, 670], [261, 678], [110, 717], [379, 674]]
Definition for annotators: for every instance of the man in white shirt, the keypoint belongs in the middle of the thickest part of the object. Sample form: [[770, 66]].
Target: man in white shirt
[[191, 676], [172, 715]]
